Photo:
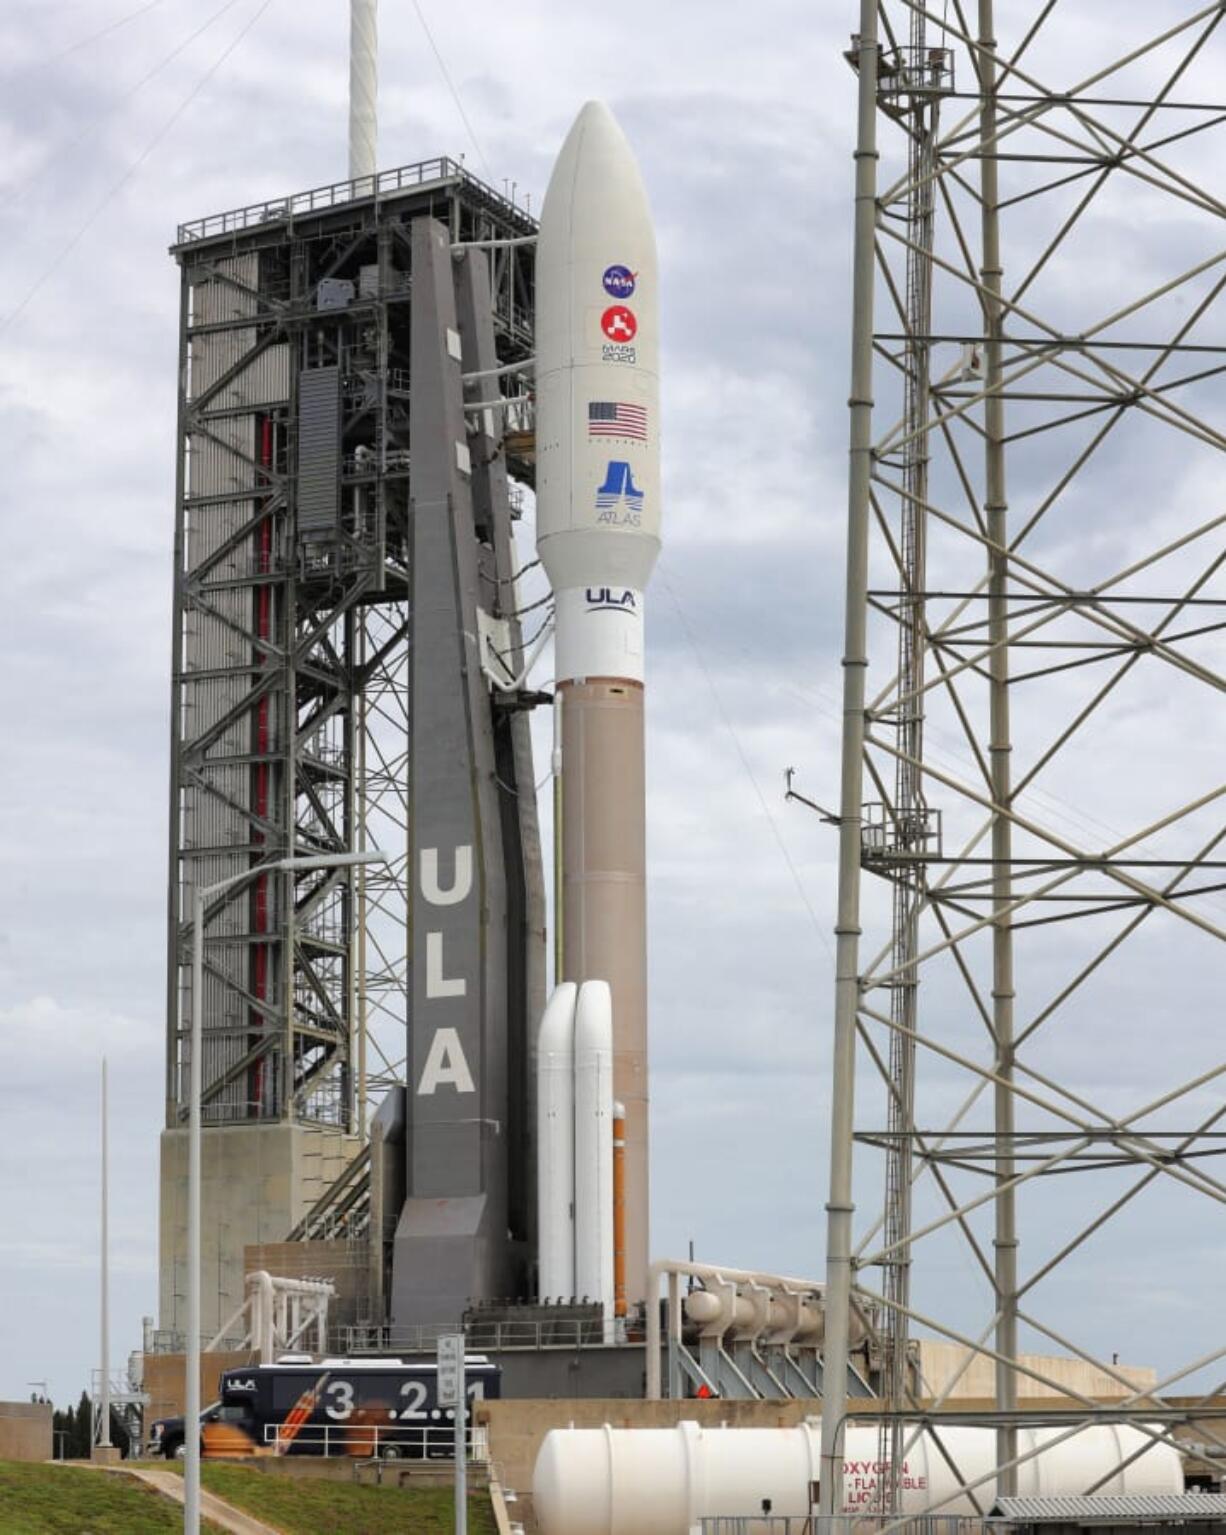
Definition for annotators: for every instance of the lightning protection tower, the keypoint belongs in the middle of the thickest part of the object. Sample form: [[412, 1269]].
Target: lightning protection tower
[[1027, 1069]]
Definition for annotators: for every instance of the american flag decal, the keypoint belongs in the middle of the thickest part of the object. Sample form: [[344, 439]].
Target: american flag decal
[[610, 418]]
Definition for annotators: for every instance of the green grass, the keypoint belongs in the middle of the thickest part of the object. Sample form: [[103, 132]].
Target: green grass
[[306, 1506], [73, 1500]]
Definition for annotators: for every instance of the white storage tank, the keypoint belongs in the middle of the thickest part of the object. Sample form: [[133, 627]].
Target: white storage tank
[[662, 1481]]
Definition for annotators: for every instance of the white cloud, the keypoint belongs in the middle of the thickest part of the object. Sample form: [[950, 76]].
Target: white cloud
[[744, 131]]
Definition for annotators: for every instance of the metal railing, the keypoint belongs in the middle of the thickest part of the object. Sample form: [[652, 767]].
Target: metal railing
[[426, 1441], [352, 1341], [849, 1524], [337, 194]]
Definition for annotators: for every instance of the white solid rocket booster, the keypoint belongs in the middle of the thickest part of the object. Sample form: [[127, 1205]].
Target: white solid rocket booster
[[598, 522]]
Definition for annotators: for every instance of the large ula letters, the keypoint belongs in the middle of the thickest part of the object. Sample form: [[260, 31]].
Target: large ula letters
[[446, 1064]]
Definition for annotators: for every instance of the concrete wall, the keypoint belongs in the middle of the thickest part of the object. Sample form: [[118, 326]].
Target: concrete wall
[[164, 1381], [941, 1361], [584, 1372], [346, 1264], [25, 1431], [258, 1183]]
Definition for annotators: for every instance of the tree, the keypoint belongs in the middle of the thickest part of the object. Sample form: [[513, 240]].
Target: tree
[[83, 1442]]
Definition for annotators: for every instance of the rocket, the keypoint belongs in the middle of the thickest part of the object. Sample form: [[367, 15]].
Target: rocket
[[598, 535]]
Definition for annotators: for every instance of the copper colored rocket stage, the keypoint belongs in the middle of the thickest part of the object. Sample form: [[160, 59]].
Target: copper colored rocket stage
[[598, 520]]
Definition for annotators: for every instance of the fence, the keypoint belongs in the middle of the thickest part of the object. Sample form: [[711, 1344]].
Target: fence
[[560, 1332], [371, 1441], [319, 199], [849, 1524]]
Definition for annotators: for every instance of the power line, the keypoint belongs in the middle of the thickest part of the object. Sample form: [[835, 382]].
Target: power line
[[127, 95], [94, 37], [455, 95], [745, 763], [113, 191]]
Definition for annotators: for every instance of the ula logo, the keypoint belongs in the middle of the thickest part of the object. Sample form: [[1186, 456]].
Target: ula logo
[[617, 601], [240, 1385]]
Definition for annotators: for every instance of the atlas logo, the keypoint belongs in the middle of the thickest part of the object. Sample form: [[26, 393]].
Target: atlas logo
[[619, 488], [618, 323], [619, 281], [602, 597]]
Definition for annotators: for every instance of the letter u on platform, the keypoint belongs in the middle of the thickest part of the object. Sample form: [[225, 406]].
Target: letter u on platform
[[462, 876]]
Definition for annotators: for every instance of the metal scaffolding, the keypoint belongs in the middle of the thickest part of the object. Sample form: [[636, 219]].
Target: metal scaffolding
[[1033, 585], [290, 707], [290, 697]]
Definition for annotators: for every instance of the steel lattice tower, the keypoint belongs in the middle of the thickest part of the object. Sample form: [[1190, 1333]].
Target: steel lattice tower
[[291, 698], [1034, 594]]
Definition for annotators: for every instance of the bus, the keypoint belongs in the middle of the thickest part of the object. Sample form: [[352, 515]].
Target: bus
[[357, 1407]]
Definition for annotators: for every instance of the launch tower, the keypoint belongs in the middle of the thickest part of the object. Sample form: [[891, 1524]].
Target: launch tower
[[343, 566]]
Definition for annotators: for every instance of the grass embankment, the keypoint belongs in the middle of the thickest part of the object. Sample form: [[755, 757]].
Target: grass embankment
[[306, 1505], [73, 1500]]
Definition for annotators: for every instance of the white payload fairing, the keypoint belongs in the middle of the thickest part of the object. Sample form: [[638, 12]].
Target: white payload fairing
[[598, 535]]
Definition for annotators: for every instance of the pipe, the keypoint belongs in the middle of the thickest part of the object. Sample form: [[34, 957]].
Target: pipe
[[718, 1274], [363, 88], [619, 1210], [996, 515], [840, 1206]]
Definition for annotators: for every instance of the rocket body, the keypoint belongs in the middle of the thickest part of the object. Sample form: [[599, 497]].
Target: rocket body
[[598, 535]]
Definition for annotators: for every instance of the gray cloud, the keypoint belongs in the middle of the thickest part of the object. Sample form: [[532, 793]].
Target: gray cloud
[[744, 133]]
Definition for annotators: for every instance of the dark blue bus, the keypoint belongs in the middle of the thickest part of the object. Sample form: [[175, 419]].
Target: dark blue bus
[[357, 1407]]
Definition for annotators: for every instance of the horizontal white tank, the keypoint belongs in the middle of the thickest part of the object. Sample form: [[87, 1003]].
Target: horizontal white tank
[[662, 1481]]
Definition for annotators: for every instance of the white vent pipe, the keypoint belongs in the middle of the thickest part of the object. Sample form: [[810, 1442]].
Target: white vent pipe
[[363, 88]]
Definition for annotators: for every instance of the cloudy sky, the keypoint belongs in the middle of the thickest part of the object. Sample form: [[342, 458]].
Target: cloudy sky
[[744, 131]]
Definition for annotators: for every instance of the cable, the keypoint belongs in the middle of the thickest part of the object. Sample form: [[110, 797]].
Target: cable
[[455, 95], [71, 244], [740, 751], [131, 91], [531, 608], [510, 580], [94, 37]]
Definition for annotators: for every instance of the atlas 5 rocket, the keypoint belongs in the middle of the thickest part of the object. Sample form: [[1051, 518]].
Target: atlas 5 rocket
[[598, 535]]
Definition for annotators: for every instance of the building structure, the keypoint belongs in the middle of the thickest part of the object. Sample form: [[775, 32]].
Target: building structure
[[343, 544], [1029, 844]]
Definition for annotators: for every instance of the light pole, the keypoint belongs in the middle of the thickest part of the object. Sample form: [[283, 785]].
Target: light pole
[[104, 1393], [191, 1412]]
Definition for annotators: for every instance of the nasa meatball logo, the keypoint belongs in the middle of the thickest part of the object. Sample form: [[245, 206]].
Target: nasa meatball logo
[[619, 281], [619, 324]]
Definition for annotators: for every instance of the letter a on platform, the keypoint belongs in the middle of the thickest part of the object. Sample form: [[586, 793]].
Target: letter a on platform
[[446, 1065]]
